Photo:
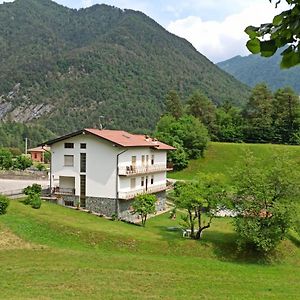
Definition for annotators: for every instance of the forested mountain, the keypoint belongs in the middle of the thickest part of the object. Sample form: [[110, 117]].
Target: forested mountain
[[63, 68], [254, 69]]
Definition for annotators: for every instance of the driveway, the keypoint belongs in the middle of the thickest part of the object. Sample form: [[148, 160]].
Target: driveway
[[10, 186]]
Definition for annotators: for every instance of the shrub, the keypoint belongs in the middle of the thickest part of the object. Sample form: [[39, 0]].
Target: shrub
[[40, 167], [36, 201], [33, 189], [4, 202]]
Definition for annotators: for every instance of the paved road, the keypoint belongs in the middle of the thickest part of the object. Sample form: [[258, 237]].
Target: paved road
[[9, 185]]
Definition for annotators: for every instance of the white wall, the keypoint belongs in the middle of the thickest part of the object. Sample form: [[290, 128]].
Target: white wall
[[160, 156], [159, 179], [100, 164]]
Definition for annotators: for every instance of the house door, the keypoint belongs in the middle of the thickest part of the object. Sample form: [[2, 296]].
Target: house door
[[82, 190]]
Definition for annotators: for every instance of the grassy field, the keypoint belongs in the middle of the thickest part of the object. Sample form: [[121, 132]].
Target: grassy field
[[223, 157], [59, 253]]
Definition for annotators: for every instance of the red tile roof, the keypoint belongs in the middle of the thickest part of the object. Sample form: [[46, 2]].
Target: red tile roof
[[127, 139], [119, 137], [38, 149]]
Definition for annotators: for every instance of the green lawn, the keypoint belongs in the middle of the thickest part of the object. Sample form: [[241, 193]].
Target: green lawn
[[222, 157], [58, 253]]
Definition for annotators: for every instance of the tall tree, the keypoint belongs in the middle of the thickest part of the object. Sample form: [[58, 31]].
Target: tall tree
[[229, 124], [188, 132], [202, 108], [286, 116], [284, 30], [173, 104], [258, 115]]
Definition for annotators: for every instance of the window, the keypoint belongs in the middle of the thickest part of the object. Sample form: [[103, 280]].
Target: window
[[147, 159], [152, 159], [69, 160], [35, 156], [142, 181], [69, 145], [132, 183], [82, 162], [133, 163], [152, 179], [143, 160], [82, 145]]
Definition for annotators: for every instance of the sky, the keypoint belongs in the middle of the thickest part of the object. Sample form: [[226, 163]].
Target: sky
[[214, 27]]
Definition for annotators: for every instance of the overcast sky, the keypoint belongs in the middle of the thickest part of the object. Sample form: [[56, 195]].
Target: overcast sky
[[214, 27]]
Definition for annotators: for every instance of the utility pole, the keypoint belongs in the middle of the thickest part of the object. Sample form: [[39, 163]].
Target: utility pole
[[26, 145]]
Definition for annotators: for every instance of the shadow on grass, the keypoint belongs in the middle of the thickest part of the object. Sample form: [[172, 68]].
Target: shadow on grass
[[294, 240], [221, 244]]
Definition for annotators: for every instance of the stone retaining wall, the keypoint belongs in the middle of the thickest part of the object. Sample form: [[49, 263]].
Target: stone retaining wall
[[107, 206]]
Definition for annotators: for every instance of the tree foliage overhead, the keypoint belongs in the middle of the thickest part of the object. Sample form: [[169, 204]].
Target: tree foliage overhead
[[283, 30], [101, 60]]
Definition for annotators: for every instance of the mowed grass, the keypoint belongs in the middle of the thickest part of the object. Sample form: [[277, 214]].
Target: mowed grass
[[223, 157], [61, 253]]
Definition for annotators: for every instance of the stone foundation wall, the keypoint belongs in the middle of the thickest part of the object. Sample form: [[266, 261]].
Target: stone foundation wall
[[107, 206], [104, 206]]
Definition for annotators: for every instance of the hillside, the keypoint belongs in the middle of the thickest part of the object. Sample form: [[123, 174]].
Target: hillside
[[254, 69], [59, 253], [63, 68], [223, 157]]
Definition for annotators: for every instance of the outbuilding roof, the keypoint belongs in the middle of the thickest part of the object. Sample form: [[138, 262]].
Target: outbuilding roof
[[119, 137], [39, 149]]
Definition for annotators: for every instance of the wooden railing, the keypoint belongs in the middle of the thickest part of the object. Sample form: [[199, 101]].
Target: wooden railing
[[150, 190]]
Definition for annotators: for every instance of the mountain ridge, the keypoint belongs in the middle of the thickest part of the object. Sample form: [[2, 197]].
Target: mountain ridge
[[72, 66], [254, 69]]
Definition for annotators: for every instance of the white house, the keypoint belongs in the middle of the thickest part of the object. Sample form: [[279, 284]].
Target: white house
[[104, 170]]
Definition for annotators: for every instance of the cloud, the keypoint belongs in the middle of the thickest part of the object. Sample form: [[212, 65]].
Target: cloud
[[6, 1], [220, 40], [87, 3]]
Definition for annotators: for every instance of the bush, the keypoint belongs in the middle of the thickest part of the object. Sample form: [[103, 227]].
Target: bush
[[36, 201], [33, 189], [40, 167], [4, 202]]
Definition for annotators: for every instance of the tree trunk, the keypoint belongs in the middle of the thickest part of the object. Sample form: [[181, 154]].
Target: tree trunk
[[191, 223]]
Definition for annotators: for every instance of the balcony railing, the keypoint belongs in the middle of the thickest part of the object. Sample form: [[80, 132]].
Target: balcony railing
[[150, 190], [134, 170], [63, 191]]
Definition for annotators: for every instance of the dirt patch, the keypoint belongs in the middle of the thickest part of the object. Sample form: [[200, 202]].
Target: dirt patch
[[9, 240]]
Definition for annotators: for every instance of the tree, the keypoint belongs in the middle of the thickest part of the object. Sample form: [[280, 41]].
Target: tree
[[173, 104], [22, 162], [286, 116], [265, 201], [284, 30], [143, 205], [207, 194], [5, 159], [229, 124], [187, 133], [202, 108], [258, 115]]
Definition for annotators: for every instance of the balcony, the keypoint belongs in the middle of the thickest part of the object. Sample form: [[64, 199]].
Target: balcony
[[63, 191], [150, 190], [146, 169]]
